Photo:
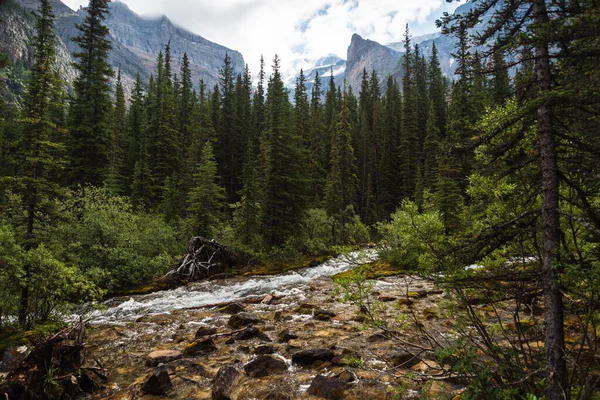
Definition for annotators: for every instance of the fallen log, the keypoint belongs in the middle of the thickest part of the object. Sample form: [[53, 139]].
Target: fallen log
[[203, 258]]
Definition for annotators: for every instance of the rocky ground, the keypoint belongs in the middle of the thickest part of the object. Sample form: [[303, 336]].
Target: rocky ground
[[300, 343]]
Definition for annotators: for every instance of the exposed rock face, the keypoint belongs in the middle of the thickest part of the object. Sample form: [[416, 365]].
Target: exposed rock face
[[136, 42], [367, 54]]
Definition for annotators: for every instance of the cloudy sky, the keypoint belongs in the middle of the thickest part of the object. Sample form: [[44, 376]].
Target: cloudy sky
[[299, 31]]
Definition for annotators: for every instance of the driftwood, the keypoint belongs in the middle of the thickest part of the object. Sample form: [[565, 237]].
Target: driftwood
[[53, 369], [203, 258]]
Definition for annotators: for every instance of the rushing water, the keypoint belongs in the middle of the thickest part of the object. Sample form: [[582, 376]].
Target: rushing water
[[211, 292]]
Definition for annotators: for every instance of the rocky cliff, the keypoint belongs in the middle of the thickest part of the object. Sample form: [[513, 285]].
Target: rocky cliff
[[136, 41]]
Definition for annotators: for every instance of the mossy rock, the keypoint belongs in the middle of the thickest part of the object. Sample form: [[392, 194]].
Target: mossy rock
[[430, 313]]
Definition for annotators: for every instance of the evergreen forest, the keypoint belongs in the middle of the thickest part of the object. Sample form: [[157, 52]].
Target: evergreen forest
[[100, 191]]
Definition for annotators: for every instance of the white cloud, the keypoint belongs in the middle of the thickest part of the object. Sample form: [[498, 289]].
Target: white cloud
[[299, 31]]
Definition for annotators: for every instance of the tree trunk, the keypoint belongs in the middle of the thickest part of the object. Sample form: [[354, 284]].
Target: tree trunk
[[556, 368]]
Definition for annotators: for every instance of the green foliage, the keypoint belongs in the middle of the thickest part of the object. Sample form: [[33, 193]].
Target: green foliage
[[413, 240], [206, 199], [91, 107], [113, 245], [11, 273], [55, 285]]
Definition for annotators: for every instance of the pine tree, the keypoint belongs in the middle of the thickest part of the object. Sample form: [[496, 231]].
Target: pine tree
[[389, 162], [163, 137], [118, 143], [91, 106], [317, 145], [184, 105], [39, 152], [409, 145], [229, 148], [206, 198], [501, 87], [258, 101], [342, 183], [437, 90], [284, 187]]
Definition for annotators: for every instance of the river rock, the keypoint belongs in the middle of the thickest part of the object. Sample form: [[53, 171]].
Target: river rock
[[224, 382], [12, 357], [323, 315], [251, 333], [162, 356], [309, 356], [242, 320], [328, 388], [200, 348], [286, 335], [158, 382], [265, 349], [189, 365], [264, 366], [267, 299], [403, 359], [232, 308], [205, 331]]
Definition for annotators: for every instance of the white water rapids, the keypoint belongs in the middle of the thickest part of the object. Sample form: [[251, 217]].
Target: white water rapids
[[212, 292]]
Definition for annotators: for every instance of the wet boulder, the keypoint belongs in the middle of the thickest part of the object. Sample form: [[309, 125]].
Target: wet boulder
[[265, 365], [403, 359], [286, 335], [225, 382], [309, 356], [205, 331], [265, 349], [232, 308], [250, 333], [158, 382], [200, 348], [328, 388], [323, 315], [162, 356], [242, 320]]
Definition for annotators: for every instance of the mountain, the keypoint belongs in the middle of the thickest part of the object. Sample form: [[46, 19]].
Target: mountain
[[385, 59], [367, 54], [136, 41]]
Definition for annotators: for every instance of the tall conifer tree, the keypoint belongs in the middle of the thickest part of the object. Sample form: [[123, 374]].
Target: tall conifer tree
[[91, 107]]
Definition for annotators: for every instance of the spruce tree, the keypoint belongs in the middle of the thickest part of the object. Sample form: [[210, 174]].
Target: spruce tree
[[342, 182], [206, 199], [118, 142], [409, 144], [284, 187], [437, 90], [91, 106], [39, 152], [229, 149], [317, 145]]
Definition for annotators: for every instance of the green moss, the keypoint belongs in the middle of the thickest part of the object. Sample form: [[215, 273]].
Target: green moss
[[279, 268], [375, 270]]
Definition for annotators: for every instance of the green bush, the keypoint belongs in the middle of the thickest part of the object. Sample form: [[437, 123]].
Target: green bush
[[113, 245], [413, 240]]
